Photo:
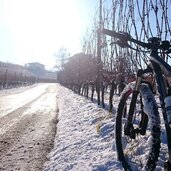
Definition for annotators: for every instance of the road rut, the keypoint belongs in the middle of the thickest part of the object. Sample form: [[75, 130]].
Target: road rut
[[27, 130]]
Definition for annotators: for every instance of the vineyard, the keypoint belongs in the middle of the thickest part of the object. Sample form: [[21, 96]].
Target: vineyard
[[12, 75], [111, 64]]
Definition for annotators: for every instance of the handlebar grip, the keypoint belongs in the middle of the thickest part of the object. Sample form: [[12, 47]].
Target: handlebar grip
[[113, 34], [125, 38]]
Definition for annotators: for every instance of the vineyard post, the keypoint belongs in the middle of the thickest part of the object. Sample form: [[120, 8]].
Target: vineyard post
[[6, 78], [99, 54]]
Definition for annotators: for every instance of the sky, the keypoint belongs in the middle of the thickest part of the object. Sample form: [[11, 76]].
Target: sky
[[34, 30], [85, 137]]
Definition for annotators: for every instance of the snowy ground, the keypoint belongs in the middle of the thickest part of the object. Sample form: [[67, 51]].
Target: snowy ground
[[85, 136], [27, 126]]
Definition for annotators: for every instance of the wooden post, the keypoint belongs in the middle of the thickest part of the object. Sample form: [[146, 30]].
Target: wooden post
[[6, 78], [99, 55]]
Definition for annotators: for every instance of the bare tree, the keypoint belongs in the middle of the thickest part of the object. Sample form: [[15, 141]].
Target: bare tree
[[61, 58]]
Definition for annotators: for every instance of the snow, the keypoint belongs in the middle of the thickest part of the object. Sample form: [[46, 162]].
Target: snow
[[84, 139], [19, 97], [28, 120], [85, 136]]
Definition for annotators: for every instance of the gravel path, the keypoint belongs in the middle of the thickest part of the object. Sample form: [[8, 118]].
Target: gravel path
[[27, 131]]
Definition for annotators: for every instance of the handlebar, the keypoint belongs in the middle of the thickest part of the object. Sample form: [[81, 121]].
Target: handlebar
[[154, 43]]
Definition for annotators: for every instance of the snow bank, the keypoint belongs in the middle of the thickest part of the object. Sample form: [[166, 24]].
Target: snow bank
[[85, 136], [84, 139]]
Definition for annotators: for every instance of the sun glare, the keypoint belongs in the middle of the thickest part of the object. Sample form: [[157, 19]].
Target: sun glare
[[41, 27]]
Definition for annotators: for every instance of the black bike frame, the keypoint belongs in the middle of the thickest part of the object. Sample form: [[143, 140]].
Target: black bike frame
[[159, 67]]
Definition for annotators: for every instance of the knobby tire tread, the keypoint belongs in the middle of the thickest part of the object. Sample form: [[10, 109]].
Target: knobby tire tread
[[155, 131]]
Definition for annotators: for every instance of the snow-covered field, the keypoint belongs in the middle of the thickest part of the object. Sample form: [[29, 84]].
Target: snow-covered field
[[85, 136]]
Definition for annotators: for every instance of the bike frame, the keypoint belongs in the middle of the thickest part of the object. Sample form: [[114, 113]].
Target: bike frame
[[160, 67], [161, 71]]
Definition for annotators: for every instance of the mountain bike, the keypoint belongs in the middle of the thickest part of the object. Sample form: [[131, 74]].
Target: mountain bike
[[138, 121]]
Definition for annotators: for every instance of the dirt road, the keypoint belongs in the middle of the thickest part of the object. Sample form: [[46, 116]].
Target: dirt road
[[28, 121]]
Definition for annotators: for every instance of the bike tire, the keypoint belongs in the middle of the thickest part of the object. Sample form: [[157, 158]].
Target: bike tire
[[151, 109]]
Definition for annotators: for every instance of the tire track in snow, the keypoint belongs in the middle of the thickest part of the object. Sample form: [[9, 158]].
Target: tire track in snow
[[28, 134]]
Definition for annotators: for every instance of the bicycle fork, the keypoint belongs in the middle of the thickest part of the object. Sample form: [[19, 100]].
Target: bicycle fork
[[129, 130]]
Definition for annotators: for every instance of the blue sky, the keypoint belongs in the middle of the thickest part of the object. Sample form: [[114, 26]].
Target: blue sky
[[33, 30]]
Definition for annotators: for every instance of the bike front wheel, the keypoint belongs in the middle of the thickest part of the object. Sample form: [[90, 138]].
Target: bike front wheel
[[138, 150]]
